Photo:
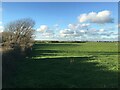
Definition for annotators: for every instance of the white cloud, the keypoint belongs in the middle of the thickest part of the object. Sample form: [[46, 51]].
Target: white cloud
[[42, 28], [99, 18], [66, 32], [47, 34], [101, 30], [85, 25], [72, 26], [90, 34], [82, 31], [72, 33], [78, 26], [44, 32], [1, 28]]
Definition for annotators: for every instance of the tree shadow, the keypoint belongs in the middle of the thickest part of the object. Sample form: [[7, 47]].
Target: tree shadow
[[60, 72], [76, 72], [63, 72], [46, 53], [40, 52]]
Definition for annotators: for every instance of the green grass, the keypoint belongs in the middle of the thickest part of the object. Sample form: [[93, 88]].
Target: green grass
[[68, 65]]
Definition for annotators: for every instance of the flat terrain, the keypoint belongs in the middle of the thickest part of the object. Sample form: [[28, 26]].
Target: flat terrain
[[70, 65]]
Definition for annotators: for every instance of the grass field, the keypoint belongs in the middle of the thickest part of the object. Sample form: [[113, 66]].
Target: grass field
[[68, 65]]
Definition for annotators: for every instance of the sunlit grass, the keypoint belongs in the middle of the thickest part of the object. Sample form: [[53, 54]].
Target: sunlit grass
[[70, 65], [106, 54]]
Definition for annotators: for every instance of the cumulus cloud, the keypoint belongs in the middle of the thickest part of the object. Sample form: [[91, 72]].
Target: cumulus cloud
[[85, 25], [1, 29], [66, 32], [82, 31], [72, 33], [78, 26], [101, 30], [72, 26], [99, 18], [42, 28], [100, 35], [44, 33], [47, 34]]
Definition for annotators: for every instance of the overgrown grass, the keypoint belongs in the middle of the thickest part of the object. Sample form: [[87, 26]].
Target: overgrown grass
[[68, 65]]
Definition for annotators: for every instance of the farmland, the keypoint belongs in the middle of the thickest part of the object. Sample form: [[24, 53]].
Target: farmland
[[67, 65]]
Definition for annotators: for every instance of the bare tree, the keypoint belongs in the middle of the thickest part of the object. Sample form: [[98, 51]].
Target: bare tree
[[19, 33]]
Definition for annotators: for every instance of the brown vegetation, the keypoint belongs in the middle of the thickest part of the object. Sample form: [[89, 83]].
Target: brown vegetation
[[18, 35]]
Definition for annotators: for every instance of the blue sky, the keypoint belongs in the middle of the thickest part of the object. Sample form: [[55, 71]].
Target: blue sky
[[57, 20]]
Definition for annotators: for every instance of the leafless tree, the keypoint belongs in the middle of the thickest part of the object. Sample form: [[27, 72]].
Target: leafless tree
[[19, 33]]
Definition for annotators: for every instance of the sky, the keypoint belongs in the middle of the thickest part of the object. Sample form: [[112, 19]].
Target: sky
[[91, 21]]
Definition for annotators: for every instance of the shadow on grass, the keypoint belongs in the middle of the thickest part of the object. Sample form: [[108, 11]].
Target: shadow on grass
[[62, 72], [43, 52], [46, 53], [56, 52], [59, 72]]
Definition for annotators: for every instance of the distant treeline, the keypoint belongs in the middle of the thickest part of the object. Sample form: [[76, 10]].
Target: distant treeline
[[70, 41], [60, 41]]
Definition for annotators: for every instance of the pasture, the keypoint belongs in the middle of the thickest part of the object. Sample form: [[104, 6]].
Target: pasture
[[67, 65]]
